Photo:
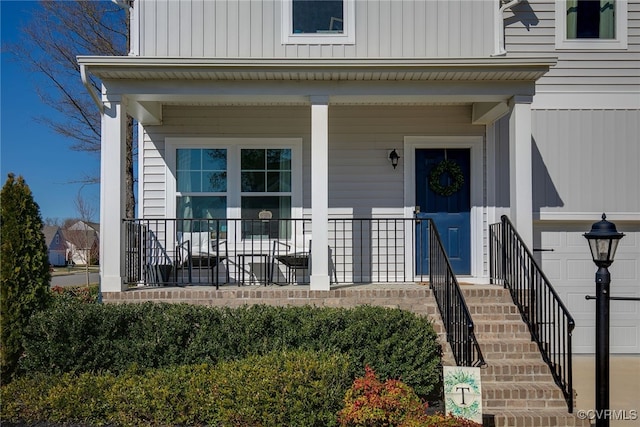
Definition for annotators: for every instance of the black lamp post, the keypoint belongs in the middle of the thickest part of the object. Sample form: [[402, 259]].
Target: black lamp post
[[603, 241]]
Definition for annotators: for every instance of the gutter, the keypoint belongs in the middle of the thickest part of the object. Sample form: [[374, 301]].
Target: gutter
[[92, 91], [123, 68], [100, 64], [499, 49]]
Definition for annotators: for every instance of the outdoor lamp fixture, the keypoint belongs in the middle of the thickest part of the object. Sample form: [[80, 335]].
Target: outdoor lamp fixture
[[603, 241], [393, 158]]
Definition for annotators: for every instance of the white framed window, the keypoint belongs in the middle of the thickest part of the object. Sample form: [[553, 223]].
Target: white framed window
[[318, 21], [591, 24], [201, 185], [265, 190], [220, 178]]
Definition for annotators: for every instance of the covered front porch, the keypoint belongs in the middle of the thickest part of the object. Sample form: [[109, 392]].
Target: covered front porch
[[337, 122], [216, 252]]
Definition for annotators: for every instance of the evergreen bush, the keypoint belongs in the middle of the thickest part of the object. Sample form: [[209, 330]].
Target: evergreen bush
[[24, 270], [92, 338], [293, 388]]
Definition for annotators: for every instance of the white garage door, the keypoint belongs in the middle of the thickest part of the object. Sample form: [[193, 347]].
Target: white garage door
[[572, 273]]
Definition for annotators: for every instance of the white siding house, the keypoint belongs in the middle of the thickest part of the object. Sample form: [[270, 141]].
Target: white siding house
[[543, 119], [56, 245]]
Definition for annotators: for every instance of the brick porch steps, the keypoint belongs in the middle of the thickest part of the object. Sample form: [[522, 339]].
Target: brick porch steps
[[536, 417], [510, 370], [517, 386]]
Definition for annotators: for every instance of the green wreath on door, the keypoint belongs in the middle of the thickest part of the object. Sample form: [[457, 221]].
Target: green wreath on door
[[454, 171]]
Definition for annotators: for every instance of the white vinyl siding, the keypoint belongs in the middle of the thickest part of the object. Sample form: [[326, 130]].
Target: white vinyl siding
[[361, 179], [253, 28], [532, 31]]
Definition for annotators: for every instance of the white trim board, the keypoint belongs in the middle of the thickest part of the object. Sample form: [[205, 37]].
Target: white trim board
[[566, 100]]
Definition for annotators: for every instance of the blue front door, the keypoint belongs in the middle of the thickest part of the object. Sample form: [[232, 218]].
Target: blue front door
[[443, 194]]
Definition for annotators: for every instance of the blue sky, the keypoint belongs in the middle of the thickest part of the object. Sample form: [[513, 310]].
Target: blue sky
[[29, 148]]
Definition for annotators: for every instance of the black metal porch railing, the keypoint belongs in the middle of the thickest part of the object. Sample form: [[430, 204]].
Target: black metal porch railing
[[171, 251], [241, 251], [549, 321], [376, 250], [453, 308]]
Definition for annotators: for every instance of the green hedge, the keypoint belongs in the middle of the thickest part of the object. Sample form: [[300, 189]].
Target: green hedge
[[92, 338], [300, 388]]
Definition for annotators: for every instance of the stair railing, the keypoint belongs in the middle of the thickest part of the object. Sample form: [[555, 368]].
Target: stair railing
[[451, 304], [550, 324]]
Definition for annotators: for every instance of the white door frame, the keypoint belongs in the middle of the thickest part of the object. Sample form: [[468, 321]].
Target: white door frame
[[476, 146]]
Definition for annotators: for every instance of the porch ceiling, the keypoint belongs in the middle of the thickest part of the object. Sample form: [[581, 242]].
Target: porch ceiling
[[150, 82]]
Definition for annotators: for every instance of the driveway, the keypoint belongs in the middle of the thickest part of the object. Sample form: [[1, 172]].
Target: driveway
[[77, 278]]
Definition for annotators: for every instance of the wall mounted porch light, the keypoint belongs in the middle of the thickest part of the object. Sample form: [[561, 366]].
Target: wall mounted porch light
[[393, 158]]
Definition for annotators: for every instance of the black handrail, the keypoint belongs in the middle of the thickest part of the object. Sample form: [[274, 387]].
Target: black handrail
[[549, 321], [453, 308]]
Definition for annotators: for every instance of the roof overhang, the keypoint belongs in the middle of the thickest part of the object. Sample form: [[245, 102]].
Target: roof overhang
[[162, 68], [150, 82]]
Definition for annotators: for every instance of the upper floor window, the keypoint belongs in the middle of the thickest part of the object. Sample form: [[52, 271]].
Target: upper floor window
[[591, 24], [318, 21], [590, 19], [318, 16]]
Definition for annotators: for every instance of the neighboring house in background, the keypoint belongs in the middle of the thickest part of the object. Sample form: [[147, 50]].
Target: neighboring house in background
[[56, 245], [530, 109], [83, 242]]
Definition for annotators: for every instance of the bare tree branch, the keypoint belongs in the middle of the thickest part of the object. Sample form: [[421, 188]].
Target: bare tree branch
[[56, 34]]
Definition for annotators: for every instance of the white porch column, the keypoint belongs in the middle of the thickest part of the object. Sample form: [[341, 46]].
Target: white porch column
[[319, 193], [520, 168], [112, 195]]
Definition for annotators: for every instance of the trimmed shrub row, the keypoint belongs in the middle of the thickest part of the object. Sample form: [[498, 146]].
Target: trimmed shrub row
[[300, 388], [93, 338]]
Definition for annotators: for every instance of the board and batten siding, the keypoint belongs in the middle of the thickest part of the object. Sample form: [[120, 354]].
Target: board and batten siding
[[252, 29], [586, 161], [361, 179], [530, 29], [582, 161]]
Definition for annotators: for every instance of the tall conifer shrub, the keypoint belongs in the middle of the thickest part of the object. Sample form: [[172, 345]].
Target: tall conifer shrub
[[24, 268]]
